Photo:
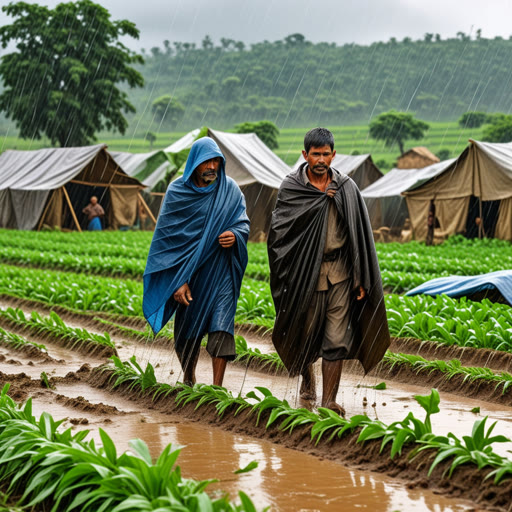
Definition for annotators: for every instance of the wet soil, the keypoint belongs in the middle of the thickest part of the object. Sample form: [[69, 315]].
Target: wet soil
[[300, 478], [83, 395]]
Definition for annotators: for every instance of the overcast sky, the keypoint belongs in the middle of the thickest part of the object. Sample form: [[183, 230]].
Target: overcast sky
[[339, 21]]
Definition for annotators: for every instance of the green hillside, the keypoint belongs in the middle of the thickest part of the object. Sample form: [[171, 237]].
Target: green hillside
[[294, 82], [348, 139]]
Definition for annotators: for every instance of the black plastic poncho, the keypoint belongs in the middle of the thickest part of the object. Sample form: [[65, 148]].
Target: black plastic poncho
[[295, 247]]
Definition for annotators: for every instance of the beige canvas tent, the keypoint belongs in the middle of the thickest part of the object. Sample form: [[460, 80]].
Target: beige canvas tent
[[477, 185], [51, 186], [416, 158], [386, 205], [258, 172], [359, 167]]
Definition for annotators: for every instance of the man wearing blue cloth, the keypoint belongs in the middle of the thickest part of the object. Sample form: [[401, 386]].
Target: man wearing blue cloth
[[197, 260]]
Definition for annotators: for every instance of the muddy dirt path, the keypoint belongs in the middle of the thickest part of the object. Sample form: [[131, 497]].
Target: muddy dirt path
[[85, 405], [285, 479]]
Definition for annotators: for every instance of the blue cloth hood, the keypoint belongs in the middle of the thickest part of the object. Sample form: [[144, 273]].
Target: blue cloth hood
[[185, 248], [202, 150]]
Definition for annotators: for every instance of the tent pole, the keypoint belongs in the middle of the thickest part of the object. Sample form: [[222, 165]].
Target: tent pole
[[45, 211], [71, 208], [146, 207], [481, 225]]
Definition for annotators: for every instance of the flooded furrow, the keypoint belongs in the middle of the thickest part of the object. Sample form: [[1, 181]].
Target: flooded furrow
[[285, 479]]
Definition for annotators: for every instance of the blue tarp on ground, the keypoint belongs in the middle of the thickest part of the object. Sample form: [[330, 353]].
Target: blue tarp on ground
[[460, 286]]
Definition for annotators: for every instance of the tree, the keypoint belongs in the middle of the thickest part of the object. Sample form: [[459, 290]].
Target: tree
[[267, 131], [472, 119], [501, 131], [168, 109], [61, 81], [151, 138], [397, 127], [443, 154]]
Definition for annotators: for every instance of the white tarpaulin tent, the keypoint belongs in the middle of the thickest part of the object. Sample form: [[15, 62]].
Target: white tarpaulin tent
[[359, 167], [384, 200], [184, 143], [478, 185], [50, 185], [150, 168], [258, 172]]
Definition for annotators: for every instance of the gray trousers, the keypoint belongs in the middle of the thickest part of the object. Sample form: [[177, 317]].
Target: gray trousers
[[328, 322]]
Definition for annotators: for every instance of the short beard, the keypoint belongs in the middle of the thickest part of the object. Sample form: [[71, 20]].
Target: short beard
[[208, 177]]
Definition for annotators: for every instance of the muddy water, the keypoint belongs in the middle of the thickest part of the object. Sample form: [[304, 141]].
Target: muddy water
[[285, 479]]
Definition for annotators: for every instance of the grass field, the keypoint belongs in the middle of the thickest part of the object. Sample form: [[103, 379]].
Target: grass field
[[446, 135]]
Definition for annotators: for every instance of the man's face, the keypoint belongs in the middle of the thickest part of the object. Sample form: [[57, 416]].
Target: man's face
[[207, 171], [319, 159], [94, 200]]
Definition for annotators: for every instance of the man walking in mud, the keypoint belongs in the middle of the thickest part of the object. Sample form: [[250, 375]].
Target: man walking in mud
[[324, 273], [197, 260]]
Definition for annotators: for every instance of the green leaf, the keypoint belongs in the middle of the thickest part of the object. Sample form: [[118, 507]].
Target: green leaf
[[252, 465]]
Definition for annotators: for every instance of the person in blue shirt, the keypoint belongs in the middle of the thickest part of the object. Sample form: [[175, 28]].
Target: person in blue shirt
[[197, 260]]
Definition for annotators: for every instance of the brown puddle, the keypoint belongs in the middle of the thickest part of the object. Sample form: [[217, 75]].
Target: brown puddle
[[285, 479]]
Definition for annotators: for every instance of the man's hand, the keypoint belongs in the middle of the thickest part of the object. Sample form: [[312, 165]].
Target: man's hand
[[183, 295], [331, 192], [362, 293], [227, 239]]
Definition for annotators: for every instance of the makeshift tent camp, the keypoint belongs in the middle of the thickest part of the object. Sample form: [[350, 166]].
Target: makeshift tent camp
[[359, 167], [148, 168], [477, 185], [50, 186], [258, 172], [384, 200]]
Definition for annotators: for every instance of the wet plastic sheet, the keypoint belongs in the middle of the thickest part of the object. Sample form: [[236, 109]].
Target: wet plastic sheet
[[295, 247], [461, 286]]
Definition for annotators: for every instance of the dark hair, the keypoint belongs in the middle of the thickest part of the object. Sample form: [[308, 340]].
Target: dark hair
[[318, 137]]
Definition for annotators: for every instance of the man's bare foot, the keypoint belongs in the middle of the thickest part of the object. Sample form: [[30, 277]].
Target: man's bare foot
[[189, 380], [308, 384], [336, 407]]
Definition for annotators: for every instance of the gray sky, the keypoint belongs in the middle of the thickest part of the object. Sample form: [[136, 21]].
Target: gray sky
[[339, 21]]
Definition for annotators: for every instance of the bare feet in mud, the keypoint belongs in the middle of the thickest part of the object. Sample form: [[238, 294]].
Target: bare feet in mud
[[308, 385], [337, 408]]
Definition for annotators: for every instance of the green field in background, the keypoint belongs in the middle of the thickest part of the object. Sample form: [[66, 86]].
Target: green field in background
[[447, 135]]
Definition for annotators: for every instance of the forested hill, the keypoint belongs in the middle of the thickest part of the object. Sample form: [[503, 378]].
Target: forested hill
[[294, 82]]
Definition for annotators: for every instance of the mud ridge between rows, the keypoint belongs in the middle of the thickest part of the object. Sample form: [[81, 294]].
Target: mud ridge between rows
[[467, 482], [33, 353], [81, 316], [89, 348], [469, 356], [22, 387]]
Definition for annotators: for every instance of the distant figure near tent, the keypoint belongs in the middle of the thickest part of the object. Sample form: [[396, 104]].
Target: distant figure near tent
[[94, 212], [197, 260]]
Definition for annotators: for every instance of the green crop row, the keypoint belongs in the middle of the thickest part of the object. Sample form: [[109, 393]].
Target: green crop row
[[76, 291], [101, 265], [60, 471], [15, 341], [449, 369], [411, 432], [44, 249], [451, 321], [54, 326]]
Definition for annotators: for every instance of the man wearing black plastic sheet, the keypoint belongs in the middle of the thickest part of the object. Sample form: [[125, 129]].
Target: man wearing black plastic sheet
[[324, 273]]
